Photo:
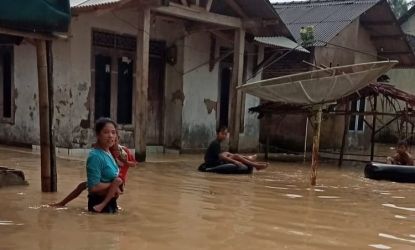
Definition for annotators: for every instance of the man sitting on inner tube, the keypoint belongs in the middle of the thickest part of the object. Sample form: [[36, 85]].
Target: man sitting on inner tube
[[402, 157], [226, 163]]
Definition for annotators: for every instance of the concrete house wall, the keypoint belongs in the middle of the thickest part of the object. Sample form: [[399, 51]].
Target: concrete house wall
[[189, 124]]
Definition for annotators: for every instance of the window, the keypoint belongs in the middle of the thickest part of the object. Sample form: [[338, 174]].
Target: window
[[6, 90], [113, 75], [357, 121]]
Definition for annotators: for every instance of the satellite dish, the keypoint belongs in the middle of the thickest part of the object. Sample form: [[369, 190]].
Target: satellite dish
[[318, 86]]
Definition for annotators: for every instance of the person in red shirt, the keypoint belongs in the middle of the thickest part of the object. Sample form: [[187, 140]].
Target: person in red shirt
[[124, 159]]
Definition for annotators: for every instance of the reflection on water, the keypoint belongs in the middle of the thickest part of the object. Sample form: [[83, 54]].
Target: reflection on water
[[169, 205]]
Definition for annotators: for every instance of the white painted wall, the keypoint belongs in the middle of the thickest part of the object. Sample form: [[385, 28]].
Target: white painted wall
[[26, 124], [408, 27], [249, 138], [198, 84]]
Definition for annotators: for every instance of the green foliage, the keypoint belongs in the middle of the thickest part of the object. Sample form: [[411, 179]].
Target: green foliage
[[307, 36], [399, 7]]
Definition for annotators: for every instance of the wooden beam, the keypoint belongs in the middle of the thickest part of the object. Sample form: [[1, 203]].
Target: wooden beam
[[141, 84], [42, 69], [373, 132], [235, 7], [316, 146], [40, 36], [223, 36], [377, 23], [197, 2], [212, 53], [209, 5], [236, 96], [180, 11], [345, 132], [200, 27], [184, 2], [387, 37], [53, 173], [388, 53]]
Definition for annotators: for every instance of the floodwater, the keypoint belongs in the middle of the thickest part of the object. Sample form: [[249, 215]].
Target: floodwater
[[169, 205]]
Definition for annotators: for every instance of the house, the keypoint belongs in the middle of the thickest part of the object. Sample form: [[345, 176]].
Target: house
[[346, 32], [404, 78], [166, 71]]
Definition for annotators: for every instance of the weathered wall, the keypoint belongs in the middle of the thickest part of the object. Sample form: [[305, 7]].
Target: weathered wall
[[249, 136], [408, 26], [288, 131], [26, 124], [72, 75], [403, 79], [189, 91], [199, 122], [354, 37]]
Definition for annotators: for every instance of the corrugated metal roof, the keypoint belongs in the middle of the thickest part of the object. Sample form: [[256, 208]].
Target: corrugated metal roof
[[328, 17], [281, 41], [91, 3], [255, 9]]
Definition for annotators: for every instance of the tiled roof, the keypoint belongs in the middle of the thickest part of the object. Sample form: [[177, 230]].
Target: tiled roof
[[91, 3], [328, 17]]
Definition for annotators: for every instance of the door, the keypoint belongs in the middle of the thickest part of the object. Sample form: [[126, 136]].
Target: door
[[224, 87], [155, 101], [102, 86], [125, 90]]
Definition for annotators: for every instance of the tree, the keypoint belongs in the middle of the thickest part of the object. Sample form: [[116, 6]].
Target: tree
[[399, 7]]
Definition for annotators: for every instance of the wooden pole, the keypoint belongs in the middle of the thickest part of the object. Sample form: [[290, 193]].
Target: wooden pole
[[316, 145], [43, 115], [141, 84], [235, 95], [372, 138], [345, 132], [53, 172], [305, 138]]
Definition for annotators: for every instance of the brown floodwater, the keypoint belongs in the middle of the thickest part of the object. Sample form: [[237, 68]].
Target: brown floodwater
[[169, 205]]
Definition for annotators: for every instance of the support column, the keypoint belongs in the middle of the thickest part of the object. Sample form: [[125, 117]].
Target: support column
[[235, 96], [141, 84], [316, 145], [345, 132], [53, 173], [42, 70], [372, 137]]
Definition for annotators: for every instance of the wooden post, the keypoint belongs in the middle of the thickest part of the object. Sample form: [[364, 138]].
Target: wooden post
[[345, 132], [316, 146], [372, 139], [141, 84], [305, 139], [53, 173], [43, 115], [236, 96]]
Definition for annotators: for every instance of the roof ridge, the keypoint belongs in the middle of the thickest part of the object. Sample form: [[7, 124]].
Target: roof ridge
[[321, 2]]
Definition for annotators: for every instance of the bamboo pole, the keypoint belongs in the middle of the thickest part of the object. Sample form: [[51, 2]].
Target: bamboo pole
[[316, 145], [53, 172], [43, 115], [345, 132], [372, 139], [305, 139]]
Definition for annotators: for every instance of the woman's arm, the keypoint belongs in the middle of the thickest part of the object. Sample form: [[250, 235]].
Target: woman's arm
[[100, 188]]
